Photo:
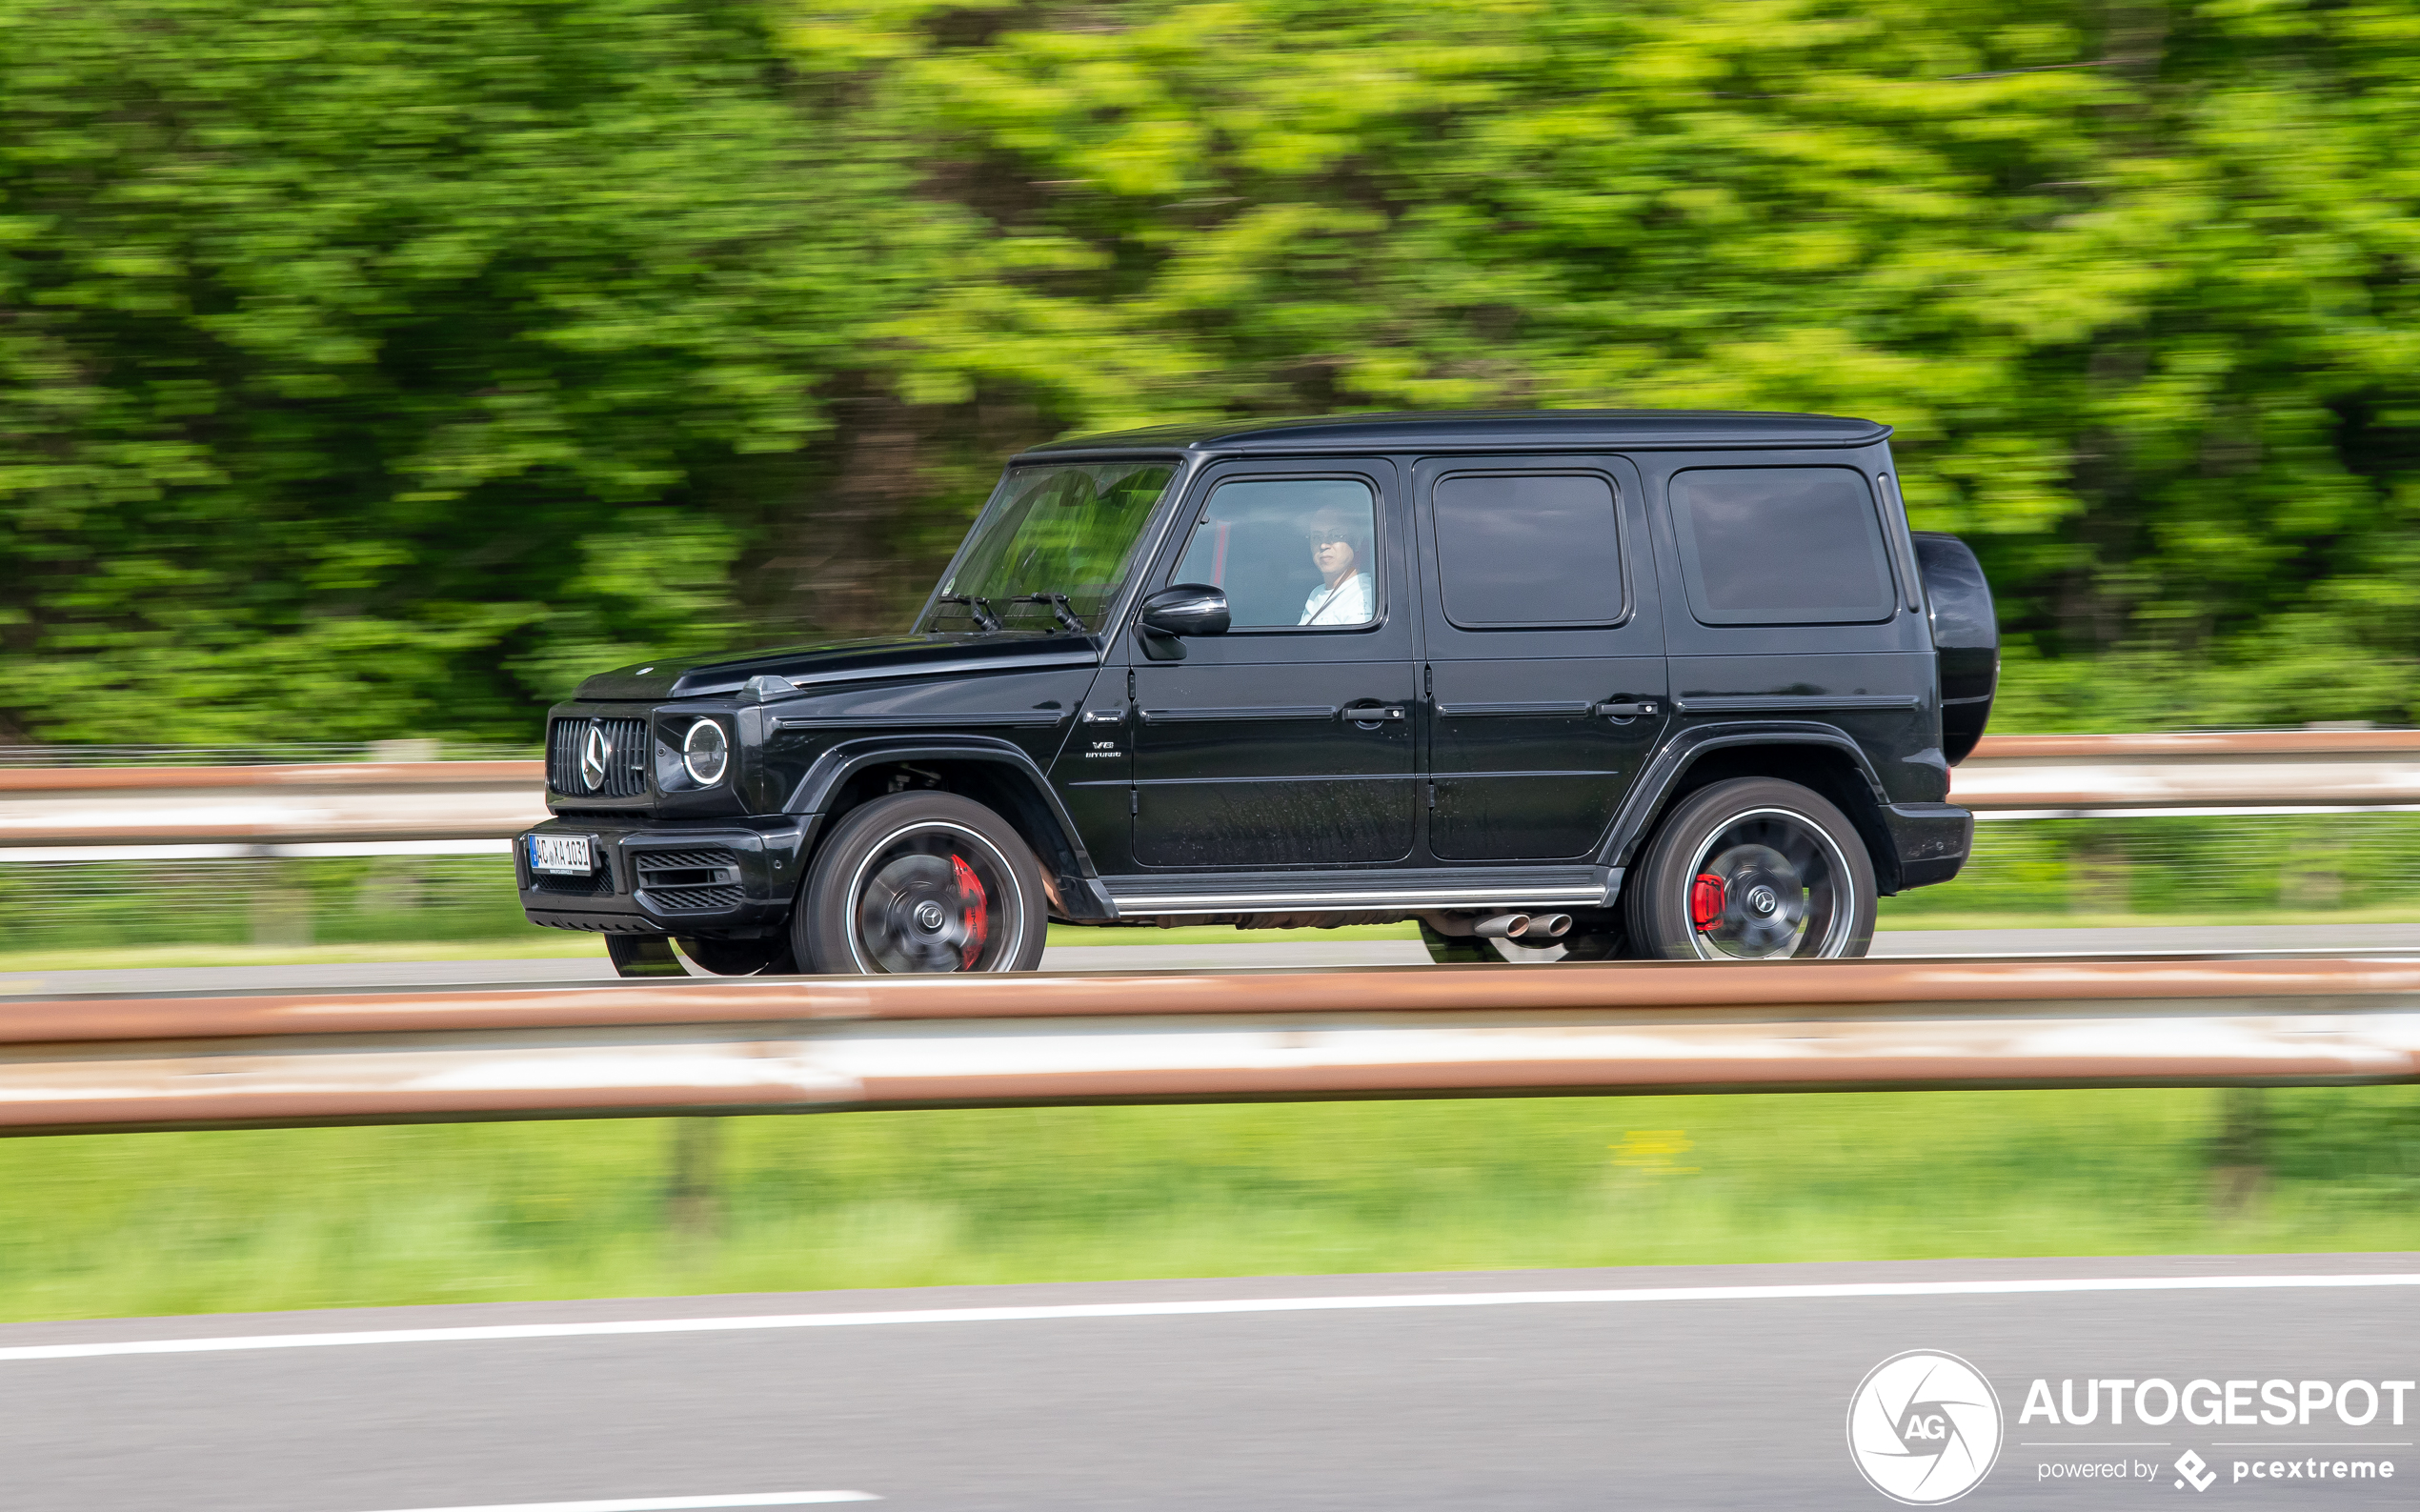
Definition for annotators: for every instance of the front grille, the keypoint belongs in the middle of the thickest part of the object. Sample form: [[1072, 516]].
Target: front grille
[[625, 757], [684, 899]]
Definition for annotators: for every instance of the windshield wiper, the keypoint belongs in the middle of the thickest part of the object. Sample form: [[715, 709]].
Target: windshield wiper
[[1061, 610], [977, 608]]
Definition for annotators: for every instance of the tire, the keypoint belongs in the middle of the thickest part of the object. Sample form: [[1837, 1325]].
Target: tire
[[771, 957], [1753, 869], [1454, 949], [921, 882]]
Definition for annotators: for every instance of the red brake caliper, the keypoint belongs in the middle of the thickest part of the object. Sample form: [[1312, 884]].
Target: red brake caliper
[[975, 908], [1705, 901]]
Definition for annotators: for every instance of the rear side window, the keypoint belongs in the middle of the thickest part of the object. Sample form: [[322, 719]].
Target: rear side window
[[1782, 546], [1527, 551]]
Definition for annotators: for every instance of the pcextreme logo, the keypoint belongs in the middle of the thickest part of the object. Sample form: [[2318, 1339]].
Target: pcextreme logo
[[1924, 1427]]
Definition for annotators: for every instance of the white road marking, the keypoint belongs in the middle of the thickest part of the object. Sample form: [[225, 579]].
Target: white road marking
[[1070, 1312], [673, 1504]]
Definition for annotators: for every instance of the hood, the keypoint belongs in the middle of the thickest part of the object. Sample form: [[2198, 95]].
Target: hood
[[839, 662]]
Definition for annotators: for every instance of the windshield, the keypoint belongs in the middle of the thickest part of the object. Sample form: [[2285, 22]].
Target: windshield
[[1066, 528]]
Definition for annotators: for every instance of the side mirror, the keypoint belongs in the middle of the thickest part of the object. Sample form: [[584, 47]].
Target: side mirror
[[1186, 609]]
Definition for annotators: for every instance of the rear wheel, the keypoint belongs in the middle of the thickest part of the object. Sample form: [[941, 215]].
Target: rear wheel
[[921, 882], [1754, 869]]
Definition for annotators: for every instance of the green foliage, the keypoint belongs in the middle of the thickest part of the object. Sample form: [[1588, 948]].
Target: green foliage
[[383, 369], [2133, 284], [154, 1223], [356, 366], [2242, 869]]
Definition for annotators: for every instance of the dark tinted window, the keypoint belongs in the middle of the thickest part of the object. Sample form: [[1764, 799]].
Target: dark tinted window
[[1782, 546], [1527, 549]]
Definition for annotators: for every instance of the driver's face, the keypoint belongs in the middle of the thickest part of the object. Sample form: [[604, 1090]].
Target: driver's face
[[1331, 557]]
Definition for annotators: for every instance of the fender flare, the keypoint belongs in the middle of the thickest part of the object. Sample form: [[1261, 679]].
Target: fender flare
[[825, 776], [1678, 753]]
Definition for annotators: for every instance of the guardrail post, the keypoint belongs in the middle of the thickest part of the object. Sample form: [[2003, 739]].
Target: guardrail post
[[2240, 1165], [281, 909], [2098, 882], [692, 1198]]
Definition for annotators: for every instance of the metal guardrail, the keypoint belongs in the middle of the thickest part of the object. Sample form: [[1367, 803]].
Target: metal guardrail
[[828, 1044], [97, 814], [91, 813], [2266, 772]]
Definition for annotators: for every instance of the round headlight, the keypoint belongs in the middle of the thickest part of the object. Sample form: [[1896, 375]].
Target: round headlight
[[706, 751]]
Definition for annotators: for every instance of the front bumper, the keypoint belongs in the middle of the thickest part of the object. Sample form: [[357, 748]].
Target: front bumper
[[1932, 840], [734, 879]]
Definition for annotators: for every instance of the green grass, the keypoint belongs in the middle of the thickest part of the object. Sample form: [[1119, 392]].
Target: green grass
[[1896, 915], [537, 945], [138, 1224]]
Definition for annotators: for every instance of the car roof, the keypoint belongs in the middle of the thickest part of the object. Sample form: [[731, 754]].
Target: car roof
[[1486, 430]]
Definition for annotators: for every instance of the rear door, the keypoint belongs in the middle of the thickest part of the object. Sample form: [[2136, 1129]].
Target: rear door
[[1797, 600], [1283, 744], [1545, 674]]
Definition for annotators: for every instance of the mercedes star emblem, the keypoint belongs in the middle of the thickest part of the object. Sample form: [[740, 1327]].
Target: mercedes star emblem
[[594, 755]]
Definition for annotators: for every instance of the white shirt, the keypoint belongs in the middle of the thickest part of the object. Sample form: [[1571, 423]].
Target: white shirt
[[1348, 603]]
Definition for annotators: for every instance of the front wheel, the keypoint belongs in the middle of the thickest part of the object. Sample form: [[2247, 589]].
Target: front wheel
[[921, 882], [1753, 869]]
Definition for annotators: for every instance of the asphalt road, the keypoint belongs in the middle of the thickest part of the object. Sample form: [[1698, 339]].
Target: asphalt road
[[1642, 1399], [1245, 956]]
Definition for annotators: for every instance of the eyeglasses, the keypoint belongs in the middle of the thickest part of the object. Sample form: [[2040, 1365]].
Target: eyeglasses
[[1324, 538]]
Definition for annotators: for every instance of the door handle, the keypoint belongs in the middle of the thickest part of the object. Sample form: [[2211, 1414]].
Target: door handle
[[1627, 710], [1105, 716], [1379, 715]]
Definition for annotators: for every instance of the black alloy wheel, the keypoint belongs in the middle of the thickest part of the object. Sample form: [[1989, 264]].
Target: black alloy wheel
[[1754, 869], [923, 883]]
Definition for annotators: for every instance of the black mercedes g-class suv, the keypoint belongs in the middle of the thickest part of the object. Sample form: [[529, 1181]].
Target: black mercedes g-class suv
[[1573, 684]]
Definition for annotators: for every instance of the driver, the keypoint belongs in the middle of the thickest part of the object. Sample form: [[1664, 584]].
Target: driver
[[1339, 551]]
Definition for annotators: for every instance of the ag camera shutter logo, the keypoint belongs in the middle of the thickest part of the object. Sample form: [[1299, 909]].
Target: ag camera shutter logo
[[1924, 1427]]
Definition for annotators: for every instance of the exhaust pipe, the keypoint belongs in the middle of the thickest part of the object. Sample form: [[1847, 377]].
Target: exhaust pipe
[[1503, 926], [1553, 926]]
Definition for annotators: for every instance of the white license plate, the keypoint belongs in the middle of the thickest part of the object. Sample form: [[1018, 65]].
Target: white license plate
[[561, 853]]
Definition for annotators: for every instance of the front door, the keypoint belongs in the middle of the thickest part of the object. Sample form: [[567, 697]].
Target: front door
[[1288, 741], [1546, 674]]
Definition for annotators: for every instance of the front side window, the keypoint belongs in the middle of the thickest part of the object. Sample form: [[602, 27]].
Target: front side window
[[1288, 552], [1782, 546], [1056, 538]]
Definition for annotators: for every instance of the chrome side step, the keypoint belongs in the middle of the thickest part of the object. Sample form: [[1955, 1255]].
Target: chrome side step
[[1371, 891]]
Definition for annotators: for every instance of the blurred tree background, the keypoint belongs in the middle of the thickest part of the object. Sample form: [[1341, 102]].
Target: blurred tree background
[[377, 369]]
